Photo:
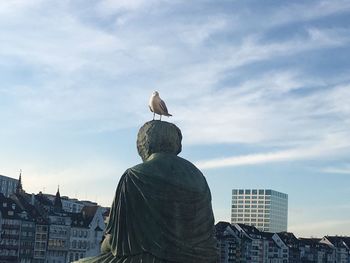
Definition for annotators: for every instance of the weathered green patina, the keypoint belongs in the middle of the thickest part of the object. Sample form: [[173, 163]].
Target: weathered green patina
[[162, 210]]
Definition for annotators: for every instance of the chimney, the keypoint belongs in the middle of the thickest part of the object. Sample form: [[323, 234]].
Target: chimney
[[32, 200]]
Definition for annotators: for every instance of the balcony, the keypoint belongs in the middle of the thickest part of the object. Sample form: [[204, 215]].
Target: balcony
[[10, 236], [9, 247], [8, 259], [8, 226]]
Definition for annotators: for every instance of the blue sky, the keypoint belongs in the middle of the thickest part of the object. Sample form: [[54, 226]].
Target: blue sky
[[260, 90]]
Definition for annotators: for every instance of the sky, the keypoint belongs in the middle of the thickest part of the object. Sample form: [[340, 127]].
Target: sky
[[260, 90]]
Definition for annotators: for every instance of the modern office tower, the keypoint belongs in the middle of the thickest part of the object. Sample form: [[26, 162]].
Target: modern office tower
[[265, 209]]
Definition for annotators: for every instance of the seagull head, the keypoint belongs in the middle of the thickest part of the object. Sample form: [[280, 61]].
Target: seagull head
[[155, 93]]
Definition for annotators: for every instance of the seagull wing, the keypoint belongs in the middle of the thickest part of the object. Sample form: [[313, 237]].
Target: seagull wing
[[150, 108], [163, 106]]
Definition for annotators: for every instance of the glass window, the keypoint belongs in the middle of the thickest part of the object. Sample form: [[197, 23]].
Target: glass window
[[261, 192], [268, 192], [241, 192], [247, 192], [234, 192], [254, 191]]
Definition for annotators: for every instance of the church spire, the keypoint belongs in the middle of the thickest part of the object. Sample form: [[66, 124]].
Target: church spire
[[19, 187], [58, 202]]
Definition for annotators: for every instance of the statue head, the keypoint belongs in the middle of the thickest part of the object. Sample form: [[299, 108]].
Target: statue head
[[158, 137]]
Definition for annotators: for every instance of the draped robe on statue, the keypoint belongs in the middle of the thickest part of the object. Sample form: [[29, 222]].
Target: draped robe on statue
[[161, 213]]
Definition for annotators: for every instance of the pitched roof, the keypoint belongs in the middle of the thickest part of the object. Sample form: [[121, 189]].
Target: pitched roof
[[288, 238], [250, 230], [79, 221], [338, 241], [88, 212], [9, 209]]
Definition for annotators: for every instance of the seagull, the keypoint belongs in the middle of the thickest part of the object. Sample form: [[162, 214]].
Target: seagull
[[157, 105]]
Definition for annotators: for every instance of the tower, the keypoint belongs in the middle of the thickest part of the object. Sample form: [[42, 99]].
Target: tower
[[265, 209], [58, 202]]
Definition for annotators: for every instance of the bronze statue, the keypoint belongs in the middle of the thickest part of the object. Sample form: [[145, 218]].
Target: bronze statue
[[162, 210]]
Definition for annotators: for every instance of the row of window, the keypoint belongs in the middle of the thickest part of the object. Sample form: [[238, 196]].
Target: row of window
[[254, 197], [79, 244], [250, 215], [250, 202], [266, 220], [80, 233], [57, 243], [250, 206], [253, 191], [75, 256], [267, 211], [260, 192]]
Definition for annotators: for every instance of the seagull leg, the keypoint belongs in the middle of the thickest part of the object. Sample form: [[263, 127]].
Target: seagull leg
[[160, 117], [154, 115]]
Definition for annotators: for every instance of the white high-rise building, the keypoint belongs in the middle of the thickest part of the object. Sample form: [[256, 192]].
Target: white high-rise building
[[265, 209]]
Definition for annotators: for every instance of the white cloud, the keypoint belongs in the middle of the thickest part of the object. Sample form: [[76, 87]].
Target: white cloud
[[336, 170], [306, 11], [321, 228], [330, 148]]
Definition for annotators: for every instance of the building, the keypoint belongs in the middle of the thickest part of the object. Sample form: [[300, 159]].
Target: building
[[234, 246], [290, 245], [10, 225], [341, 245], [71, 205], [246, 244], [36, 229], [312, 250], [265, 209], [7, 185]]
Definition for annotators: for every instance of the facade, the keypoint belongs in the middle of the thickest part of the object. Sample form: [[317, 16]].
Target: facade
[[26, 240], [71, 205], [34, 229], [7, 185], [10, 225], [246, 244], [312, 250], [341, 246], [40, 242], [265, 209]]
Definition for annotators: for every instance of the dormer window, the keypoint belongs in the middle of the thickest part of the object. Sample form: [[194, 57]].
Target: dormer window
[[4, 204]]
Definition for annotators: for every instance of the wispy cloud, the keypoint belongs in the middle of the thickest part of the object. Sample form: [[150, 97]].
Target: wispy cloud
[[329, 148], [336, 170], [320, 228]]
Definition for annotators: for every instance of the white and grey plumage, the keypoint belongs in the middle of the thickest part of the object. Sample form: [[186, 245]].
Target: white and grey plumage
[[157, 106]]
